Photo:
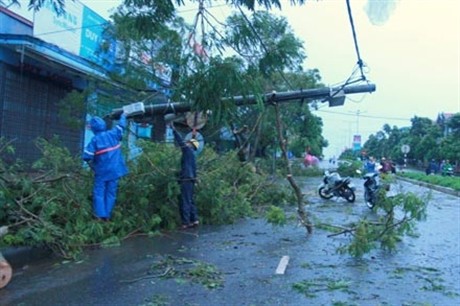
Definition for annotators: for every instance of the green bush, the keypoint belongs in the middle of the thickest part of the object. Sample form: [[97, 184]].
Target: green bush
[[444, 181], [349, 169], [52, 206], [147, 197], [400, 217], [229, 189]]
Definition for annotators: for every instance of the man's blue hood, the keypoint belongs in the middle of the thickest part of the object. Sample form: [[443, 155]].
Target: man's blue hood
[[97, 124]]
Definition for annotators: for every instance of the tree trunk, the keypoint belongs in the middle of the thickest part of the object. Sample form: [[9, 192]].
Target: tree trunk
[[257, 138], [300, 209]]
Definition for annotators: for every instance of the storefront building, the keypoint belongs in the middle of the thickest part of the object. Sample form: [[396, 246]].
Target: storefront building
[[43, 57]]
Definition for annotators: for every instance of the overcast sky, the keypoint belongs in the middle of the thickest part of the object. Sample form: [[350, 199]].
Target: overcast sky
[[413, 57]]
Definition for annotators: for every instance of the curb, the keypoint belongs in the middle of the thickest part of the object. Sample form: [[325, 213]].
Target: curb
[[431, 186]]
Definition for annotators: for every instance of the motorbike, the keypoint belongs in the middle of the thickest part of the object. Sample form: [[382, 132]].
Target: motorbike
[[448, 171], [335, 186], [372, 188]]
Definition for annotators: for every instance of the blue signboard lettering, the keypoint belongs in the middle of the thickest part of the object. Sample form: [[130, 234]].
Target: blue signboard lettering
[[93, 39]]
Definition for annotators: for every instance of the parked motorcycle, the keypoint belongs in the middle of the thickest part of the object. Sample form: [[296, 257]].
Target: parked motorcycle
[[372, 188], [448, 171], [335, 186]]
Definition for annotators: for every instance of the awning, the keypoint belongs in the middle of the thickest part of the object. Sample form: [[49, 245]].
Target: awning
[[50, 55]]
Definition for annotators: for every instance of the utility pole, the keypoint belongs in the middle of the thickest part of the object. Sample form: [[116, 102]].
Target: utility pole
[[357, 122], [358, 113], [357, 137], [325, 94]]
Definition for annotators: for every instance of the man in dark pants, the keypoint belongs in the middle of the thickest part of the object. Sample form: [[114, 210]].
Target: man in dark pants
[[187, 179]]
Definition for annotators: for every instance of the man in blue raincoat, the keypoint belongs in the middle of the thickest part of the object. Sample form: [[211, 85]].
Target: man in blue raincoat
[[104, 156], [187, 180]]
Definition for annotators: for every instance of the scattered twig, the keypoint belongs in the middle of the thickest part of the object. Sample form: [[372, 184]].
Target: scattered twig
[[52, 179], [166, 272]]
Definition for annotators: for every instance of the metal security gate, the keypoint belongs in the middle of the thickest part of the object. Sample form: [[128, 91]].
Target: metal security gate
[[29, 109]]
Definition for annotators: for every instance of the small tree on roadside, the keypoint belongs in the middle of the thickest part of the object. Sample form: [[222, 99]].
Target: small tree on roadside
[[398, 218]]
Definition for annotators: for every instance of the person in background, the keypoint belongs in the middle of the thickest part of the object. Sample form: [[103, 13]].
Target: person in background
[[441, 165], [447, 168], [369, 166], [187, 180], [103, 155], [432, 168], [392, 166], [385, 166]]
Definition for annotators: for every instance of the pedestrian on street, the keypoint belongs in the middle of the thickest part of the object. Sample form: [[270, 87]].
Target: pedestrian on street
[[103, 155], [369, 166], [187, 180], [432, 168], [441, 165], [385, 166]]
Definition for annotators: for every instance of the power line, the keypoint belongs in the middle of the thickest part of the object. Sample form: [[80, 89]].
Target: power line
[[195, 9], [360, 61], [73, 29], [366, 116]]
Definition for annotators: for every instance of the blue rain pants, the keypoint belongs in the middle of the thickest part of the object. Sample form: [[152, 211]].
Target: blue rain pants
[[105, 195]]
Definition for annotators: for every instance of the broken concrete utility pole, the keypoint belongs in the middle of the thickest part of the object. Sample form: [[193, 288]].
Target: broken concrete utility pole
[[335, 96]]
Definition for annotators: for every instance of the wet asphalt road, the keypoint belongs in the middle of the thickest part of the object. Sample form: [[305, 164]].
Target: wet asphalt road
[[424, 271]]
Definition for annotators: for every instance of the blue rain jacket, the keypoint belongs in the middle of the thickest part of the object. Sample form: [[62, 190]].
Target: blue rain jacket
[[103, 152]]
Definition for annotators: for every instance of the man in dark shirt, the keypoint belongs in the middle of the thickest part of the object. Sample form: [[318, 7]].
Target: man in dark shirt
[[187, 179]]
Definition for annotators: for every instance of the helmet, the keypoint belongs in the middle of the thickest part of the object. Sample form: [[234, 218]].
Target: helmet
[[194, 143]]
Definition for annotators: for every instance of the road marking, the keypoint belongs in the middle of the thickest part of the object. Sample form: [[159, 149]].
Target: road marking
[[282, 265]]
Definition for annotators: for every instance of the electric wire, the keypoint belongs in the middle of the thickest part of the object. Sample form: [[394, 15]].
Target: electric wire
[[73, 29], [221, 35], [283, 76], [360, 61], [366, 116]]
